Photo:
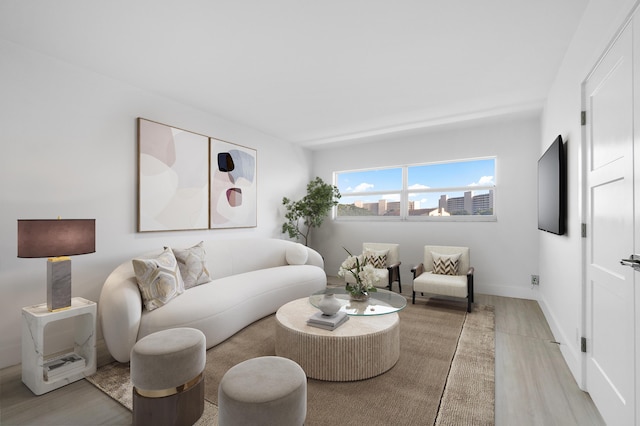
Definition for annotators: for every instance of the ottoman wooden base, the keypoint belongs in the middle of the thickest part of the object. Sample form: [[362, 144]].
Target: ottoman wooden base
[[183, 408]]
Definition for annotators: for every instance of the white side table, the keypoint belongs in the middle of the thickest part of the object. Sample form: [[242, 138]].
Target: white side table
[[34, 320]]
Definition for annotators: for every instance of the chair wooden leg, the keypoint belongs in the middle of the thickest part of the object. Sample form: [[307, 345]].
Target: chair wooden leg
[[470, 288], [414, 298], [469, 292], [393, 273]]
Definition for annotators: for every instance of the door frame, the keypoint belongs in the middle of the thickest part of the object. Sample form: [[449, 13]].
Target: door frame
[[583, 157]]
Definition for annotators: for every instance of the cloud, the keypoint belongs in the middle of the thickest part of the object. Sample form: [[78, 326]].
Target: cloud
[[363, 187], [391, 197], [484, 180], [419, 186]]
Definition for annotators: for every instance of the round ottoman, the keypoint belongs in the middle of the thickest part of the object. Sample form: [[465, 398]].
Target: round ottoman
[[166, 373], [267, 390]]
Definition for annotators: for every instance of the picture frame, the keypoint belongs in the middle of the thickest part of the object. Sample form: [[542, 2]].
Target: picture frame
[[233, 201], [173, 178]]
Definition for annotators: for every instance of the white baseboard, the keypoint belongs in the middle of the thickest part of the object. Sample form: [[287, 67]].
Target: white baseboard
[[568, 347], [509, 291]]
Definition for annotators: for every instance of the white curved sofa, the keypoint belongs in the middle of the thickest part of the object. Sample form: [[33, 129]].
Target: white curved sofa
[[251, 278]]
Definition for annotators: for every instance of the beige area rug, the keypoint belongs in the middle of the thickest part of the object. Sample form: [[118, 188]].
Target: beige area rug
[[445, 374]]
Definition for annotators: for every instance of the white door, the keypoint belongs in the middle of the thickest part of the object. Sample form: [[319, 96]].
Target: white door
[[610, 312]]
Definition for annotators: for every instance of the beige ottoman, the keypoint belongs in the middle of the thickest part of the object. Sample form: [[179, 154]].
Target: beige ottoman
[[166, 372], [267, 390]]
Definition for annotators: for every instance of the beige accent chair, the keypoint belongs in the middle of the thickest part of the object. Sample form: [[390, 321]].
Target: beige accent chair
[[388, 274], [425, 280]]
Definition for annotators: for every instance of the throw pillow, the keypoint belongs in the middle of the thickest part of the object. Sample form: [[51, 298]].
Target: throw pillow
[[296, 254], [377, 258], [445, 264], [159, 279], [192, 265]]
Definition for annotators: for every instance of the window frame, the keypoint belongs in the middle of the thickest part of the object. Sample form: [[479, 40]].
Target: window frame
[[405, 194]]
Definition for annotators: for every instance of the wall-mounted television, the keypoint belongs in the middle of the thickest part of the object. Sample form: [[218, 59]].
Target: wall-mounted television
[[552, 189]]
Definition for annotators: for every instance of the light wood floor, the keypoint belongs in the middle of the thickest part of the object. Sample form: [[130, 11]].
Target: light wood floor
[[533, 383]]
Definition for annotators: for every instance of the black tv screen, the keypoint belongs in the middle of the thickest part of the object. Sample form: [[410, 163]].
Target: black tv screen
[[552, 189]]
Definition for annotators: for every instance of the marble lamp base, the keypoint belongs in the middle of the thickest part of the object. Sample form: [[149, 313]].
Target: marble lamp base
[[58, 283]]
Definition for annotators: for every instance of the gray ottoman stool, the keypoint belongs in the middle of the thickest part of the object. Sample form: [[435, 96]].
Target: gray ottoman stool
[[166, 372], [268, 390]]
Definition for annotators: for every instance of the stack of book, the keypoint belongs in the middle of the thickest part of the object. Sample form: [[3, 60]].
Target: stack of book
[[63, 366], [328, 322]]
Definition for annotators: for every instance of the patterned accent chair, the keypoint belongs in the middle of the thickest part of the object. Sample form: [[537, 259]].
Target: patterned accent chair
[[445, 271], [386, 259]]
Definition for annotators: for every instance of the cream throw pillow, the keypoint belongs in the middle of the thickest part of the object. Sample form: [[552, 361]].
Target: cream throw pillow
[[159, 279], [192, 264], [445, 264], [296, 254]]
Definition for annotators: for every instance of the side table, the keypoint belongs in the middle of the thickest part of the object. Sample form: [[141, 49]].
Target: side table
[[34, 321]]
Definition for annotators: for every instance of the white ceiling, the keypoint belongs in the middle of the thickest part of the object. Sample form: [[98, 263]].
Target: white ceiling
[[314, 72]]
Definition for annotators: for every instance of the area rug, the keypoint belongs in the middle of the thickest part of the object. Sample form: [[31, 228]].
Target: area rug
[[445, 374]]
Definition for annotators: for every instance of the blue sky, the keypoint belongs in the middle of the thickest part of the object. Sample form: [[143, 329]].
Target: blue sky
[[439, 175]]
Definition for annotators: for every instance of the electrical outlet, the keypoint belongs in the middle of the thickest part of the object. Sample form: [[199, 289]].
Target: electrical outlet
[[535, 280]]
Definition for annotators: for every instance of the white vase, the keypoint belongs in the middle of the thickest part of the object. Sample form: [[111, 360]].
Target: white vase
[[329, 305]]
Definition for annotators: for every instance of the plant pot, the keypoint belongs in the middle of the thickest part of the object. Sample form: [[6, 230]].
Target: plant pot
[[359, 297]]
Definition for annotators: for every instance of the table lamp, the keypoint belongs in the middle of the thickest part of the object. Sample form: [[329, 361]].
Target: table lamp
[[57, 240]]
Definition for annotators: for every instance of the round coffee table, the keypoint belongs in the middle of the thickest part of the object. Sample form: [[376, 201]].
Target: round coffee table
[[381, 302], [365, 346]]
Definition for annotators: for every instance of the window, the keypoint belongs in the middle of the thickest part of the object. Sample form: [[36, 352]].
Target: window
[[457, 190], [373, 193]]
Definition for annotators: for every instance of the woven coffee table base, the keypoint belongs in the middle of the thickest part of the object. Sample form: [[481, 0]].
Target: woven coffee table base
[[361, 348]]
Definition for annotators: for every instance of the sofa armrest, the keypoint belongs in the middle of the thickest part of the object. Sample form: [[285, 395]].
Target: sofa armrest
[[119, 312], [314, 258]]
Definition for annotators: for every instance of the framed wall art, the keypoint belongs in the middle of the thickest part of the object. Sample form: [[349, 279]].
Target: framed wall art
[[233, 185], [173, 178]]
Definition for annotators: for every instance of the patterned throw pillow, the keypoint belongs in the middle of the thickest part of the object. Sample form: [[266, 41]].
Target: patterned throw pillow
[[159, 279], [377, 258], [192, 265], [445, 264]]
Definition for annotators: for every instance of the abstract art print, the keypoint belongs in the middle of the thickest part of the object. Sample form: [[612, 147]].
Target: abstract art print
[[173, 178], [233, 186]]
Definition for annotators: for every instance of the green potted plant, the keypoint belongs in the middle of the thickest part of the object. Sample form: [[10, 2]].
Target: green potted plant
[[310, 211]]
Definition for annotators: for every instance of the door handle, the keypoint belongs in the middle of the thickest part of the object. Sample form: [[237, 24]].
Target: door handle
[[633, 261]]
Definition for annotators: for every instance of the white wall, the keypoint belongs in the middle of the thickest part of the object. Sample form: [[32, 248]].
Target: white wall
[[68, 139], [561, 257], [505, 253]]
